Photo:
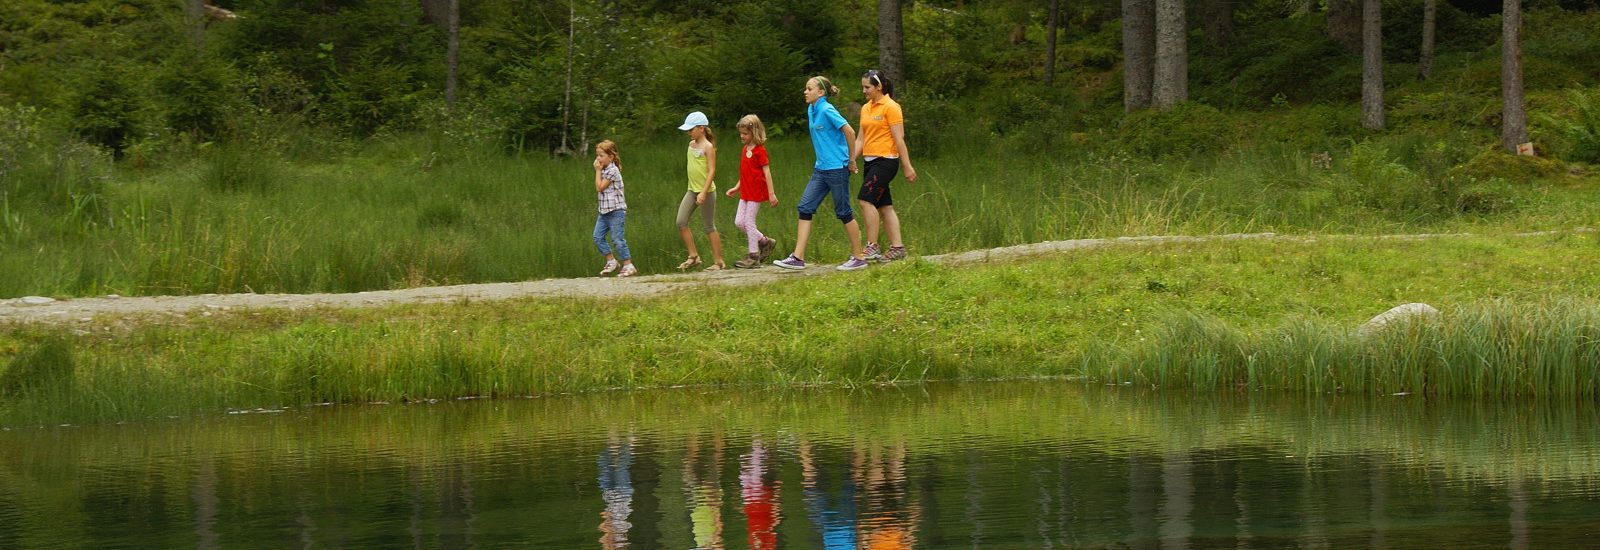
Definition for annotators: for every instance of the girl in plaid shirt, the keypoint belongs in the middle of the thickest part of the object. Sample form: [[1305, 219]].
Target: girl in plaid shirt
[[613, 209]]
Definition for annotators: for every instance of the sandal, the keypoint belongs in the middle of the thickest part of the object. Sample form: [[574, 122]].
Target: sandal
[[719, 266], [691, 262]]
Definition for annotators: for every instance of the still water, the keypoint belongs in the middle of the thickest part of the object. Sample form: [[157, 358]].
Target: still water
[[1040, 464]]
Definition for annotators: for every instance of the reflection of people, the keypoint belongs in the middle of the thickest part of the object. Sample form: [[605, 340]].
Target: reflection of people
[[890, 518], [705, 493], [616, 488], [760, 498], [834, 518], [882, 142]]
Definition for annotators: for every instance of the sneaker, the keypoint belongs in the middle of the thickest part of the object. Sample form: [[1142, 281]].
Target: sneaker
[[766, 246], [852, 264], [749, 262], [611, 266], [872, 254], [791, 262], [628, 271], [895, 253]]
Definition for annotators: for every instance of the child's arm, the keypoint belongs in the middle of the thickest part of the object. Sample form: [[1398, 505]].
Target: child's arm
[[857, 145], [711, 173], [600, 181], [850, 140], [899, 133], [735, 188], [772, 196]]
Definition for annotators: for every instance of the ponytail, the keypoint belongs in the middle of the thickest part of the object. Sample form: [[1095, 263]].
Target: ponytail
[[825, 85]]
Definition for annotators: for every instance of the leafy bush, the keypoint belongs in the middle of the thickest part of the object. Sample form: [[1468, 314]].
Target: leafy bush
[[1580, 134], [1495, 163], [1186, 128]]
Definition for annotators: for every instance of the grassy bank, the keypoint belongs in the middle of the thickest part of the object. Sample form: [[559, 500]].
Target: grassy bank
[[405, 213], [1514, 306]]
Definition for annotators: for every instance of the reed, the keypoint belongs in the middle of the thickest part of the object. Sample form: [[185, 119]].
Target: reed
[[1494, 349]]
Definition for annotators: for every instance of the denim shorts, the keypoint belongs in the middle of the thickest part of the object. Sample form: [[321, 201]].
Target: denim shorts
[[834, 182]]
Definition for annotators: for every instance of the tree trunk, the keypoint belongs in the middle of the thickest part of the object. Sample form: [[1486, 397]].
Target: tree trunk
[[1372, 64], [1219, 22], [1172, 55], [566, 98], [1052, 28], [1138, 53], [452, 52], [1430, 17], [1514, 118], [1344, 23], [891, 43]]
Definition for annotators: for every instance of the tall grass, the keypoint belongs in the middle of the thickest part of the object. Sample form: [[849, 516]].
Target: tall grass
[[1494, 349], [407, 212]]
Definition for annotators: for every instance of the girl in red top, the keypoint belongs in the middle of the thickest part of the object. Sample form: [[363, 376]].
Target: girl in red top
[[754, 188]]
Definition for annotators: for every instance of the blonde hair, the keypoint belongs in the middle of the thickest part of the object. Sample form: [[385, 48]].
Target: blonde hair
[[610, 149], [758, 131], [825, 85]]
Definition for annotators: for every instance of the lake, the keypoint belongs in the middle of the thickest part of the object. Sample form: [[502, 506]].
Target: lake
[[1035, 464]]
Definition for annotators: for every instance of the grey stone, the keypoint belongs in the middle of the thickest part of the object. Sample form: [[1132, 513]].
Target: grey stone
[[1400, 313], [37, 300]]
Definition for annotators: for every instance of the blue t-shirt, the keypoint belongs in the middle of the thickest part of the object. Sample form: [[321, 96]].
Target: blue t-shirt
[[825, 121]]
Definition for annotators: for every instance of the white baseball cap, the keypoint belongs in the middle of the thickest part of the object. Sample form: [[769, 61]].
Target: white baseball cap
[[696, 118]]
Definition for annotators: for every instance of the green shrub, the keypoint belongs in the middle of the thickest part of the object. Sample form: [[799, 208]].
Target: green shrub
[[1495, 163], [46, 365], [1185, 129], [1579, 130]]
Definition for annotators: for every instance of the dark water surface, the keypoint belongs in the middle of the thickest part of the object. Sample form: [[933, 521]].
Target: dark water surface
[[995, 465]]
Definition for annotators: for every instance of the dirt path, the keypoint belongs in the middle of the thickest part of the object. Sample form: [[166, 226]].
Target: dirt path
[[45, 310]]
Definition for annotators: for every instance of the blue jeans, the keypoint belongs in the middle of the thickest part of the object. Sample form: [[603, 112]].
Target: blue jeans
[[825, 182], [611, 222]]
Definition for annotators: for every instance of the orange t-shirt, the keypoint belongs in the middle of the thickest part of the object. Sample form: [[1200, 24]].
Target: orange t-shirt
[[876, 119]]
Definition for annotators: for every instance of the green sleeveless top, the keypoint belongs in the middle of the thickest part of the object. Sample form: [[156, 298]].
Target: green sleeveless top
[[698, 169]]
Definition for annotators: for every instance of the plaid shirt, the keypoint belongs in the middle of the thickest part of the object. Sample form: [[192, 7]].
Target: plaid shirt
[[611, 197]]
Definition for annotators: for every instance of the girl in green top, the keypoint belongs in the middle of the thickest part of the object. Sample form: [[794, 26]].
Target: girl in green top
[[702, 156]]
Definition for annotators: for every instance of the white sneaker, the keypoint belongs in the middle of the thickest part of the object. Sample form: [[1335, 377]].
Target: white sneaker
[[628, 271], [611, 266]]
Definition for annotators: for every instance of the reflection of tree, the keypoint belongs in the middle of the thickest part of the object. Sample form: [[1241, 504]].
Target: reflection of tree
[[760, 494], [702, 478], [616, 489], [1177, 501]]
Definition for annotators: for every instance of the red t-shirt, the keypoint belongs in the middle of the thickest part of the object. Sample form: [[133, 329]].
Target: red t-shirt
[[752, 182]]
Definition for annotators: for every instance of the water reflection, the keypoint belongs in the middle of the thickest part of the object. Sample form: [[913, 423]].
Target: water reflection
[[759, 490], [616, 489], [1032, 465]]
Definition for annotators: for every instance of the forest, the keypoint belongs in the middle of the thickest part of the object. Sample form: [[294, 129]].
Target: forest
[[164, 147]]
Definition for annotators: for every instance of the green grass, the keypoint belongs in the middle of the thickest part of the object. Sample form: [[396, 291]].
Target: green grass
[[1512, 304], [411, 212]]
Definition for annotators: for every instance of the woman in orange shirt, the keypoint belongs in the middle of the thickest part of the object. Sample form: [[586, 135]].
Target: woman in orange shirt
[[882, 143]]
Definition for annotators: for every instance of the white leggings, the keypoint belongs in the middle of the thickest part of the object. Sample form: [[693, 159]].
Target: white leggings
[[745, 220]]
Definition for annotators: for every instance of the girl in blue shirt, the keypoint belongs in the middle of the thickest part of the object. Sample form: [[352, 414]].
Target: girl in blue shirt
[[831, 138]]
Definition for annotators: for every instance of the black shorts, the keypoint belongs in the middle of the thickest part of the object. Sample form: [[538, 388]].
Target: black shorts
[[875, 181]]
